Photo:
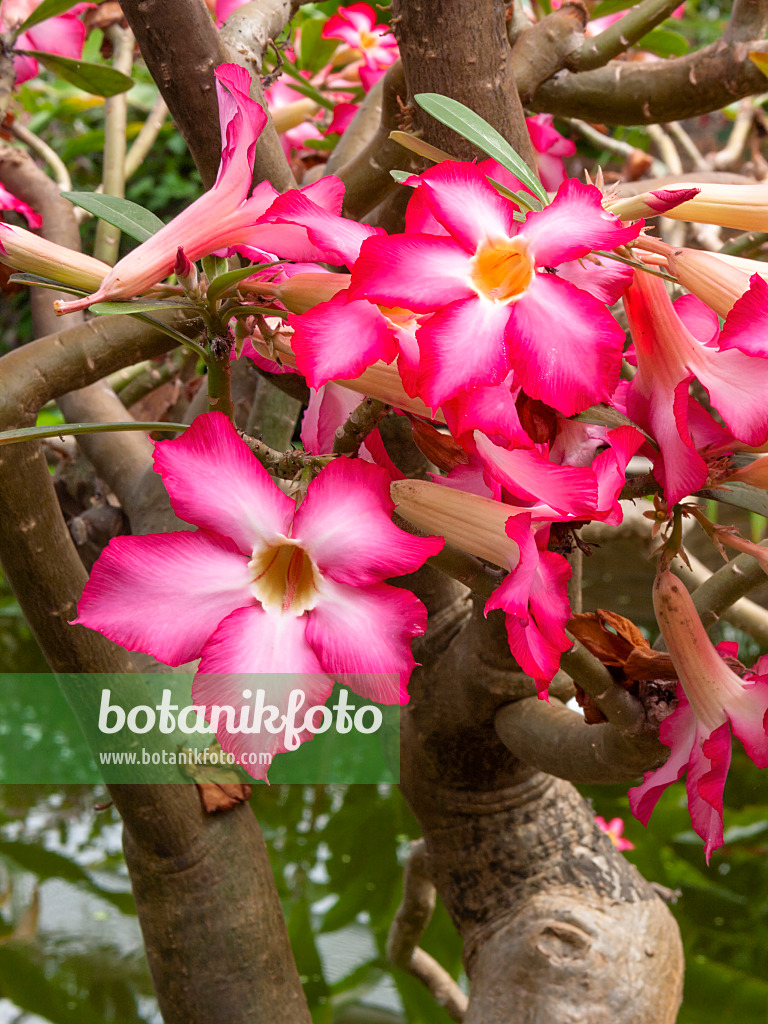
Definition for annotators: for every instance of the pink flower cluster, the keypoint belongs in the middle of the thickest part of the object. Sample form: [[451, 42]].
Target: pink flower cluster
[[488, 323]]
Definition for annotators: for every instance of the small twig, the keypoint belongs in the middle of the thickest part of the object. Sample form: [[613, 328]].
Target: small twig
[[107, 244], [730, 155], [747, 244], [687, 144], [622, 149], [409, 923], [361, 422], [285, 465], [622, 34], [44, 152], [666, 147]]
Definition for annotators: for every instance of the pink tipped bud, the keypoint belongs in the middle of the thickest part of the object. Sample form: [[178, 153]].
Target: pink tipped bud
[[32, 254], [744, 207], [186, 272], [651, 204]]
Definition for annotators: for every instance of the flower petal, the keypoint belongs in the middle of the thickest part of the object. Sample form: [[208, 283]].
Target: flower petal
[[214, 481], [707, 771], [749, 719], [335, 236], [165, 594], [564, 345], [574, 224], [339, 339], [678, 732], [345, 525], [462, 347], [365, 633], [253, 651], [418, 272], [468, 207]]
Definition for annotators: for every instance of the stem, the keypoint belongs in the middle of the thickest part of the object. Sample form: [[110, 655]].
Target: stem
[[361, 422], [44, 151], [219, 376], [107, 244]]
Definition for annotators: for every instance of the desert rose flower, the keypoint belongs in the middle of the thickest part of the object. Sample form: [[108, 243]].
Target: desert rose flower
[[614, 829], [710, 698], [550, 147], [493, 286], [356, 26], [264, 586], [668, 357], [63, 34], [8, 201]]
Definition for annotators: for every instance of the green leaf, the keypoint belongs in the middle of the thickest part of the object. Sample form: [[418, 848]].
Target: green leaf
[[214, 266], [93, 78], [224, 281], [607, 416], [47, 9], [44, 282], [131, 218], [314, 52], [325, 144], [610, 7], [474, 129], [401, 177], [131, 308], [664, 43], [739, 494], [71, 429]]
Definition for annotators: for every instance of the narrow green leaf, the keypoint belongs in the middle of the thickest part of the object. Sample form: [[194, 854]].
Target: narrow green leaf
[[610, 7], [131, 308], [44, 282], [607, 416], [417, 145], [664, 43], [214, 266], [314, 51], [71, 429], [179, 338], [93, 78], [401, 176], [300, 84], [47, 9], [131, 218], [224, 281], [474, 129], [523, 199], [739, 494]]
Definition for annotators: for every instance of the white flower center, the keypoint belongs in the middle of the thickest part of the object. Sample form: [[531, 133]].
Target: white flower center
[[501, 270], [284, 578]]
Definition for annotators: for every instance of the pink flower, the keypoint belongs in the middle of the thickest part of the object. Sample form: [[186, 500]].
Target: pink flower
[[264, 587], [498, 300], [8, 201], [224, 217], [710, 696], [63, 34], [613, 829], [356, 26], [669, 356], [550, 148]]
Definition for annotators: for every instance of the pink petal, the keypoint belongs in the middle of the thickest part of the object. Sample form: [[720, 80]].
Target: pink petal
[[574, 224], [63, 35], [339, 339], [365, 633], [604, 279], [678, 732], [8, 201], [564, 345], [468, 207], [252, 651], [572, 490], [707, 772], [214, 481], [166, 594], [242, 121], [336, 236], [737, 385], [345, 525], [698, 318], [513, 593], [745, 325], [328, 409], [491, 410], [418, 272], [462, 346], [610, 469], [749, 719]]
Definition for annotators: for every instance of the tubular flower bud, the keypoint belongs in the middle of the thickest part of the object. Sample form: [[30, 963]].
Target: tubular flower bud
[[32, 254], [650, 204], [744, 207], [302, 292], [710, 696]]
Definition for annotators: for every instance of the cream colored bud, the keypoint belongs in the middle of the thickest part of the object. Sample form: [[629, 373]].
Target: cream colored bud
[[467, 521], [293, 114], [31, 254]]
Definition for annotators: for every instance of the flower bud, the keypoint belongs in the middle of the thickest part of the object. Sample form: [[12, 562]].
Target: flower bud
[[32, 254], [650, 204]]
